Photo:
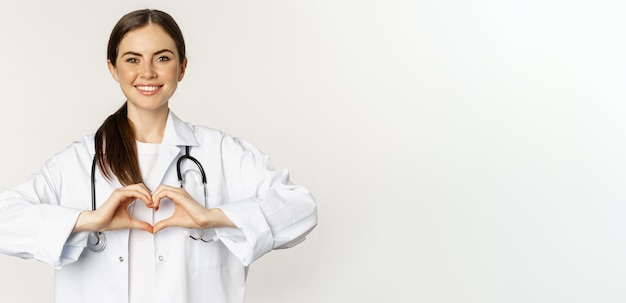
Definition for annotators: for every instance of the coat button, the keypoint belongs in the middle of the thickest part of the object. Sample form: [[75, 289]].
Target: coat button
[[121, 259], [161, 258]]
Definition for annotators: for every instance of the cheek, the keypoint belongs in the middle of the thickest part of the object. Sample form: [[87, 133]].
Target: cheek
[[127, 76], [172, 73]]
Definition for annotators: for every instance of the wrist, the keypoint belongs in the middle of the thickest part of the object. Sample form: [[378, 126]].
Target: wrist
[[84, 222], [216, 218]]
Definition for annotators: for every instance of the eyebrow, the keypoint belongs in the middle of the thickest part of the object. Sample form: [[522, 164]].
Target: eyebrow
[[165, 50]]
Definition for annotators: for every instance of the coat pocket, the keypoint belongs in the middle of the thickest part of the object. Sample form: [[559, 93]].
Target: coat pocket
[[209, 255]]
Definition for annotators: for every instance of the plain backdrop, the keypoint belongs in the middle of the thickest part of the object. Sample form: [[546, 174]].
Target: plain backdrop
[[459, 151]]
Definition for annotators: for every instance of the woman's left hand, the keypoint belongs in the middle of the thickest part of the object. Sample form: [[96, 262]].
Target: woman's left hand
[[187, 212]]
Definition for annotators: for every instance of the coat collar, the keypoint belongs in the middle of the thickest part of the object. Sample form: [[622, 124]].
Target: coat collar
[[176, 135], [177, 132]]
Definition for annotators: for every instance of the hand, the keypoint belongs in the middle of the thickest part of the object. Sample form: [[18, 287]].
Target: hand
[[114, 213], [187, 212]]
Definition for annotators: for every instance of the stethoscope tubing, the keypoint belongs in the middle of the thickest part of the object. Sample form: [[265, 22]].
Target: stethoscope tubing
[[96, 240], [187, 156]]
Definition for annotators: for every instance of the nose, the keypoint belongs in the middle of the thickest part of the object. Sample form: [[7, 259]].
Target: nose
[[147, 71]]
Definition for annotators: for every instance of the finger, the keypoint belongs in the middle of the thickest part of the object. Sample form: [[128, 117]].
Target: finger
[[143, 186], [165, 191], [165, 188], [130, 194], [157, 201], [146, 194]]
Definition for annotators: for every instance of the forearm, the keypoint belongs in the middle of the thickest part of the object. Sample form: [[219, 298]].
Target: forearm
[[39, 231]]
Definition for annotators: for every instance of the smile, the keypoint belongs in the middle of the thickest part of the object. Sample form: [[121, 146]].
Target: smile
[[145, 88]]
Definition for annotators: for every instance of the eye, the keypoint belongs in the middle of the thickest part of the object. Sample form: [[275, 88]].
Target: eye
[[163, 59], [132, 60]]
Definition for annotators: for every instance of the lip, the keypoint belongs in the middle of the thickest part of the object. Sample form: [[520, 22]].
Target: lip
[[148, 89]]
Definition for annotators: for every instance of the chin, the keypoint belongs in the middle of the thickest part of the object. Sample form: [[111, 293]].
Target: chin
[[147, 106]]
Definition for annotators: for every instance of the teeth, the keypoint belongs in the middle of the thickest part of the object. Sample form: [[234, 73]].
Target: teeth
[[147, 88]]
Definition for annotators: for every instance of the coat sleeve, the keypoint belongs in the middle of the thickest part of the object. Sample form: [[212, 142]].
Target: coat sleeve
[[33, 224], [269, 211]]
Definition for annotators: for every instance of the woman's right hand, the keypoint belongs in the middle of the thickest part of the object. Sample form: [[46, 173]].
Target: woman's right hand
[[114, 213]]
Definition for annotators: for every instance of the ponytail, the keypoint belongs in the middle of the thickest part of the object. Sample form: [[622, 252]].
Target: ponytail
[[116, 149]]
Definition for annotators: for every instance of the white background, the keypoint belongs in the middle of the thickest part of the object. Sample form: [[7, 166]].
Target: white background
[[460, 151]]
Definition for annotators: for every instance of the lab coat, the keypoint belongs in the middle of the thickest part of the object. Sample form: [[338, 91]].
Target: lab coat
[[37, 218]]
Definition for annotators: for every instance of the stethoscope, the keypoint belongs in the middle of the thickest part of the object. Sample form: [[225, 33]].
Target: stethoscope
[[96, 240]]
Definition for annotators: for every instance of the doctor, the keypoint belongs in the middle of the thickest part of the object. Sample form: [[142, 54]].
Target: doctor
[[160, 242]]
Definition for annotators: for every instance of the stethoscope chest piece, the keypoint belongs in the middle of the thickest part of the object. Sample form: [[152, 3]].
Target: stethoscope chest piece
[[96, 241]]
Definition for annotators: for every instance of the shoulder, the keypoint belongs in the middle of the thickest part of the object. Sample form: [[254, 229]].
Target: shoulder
[[208, 137], [182, 132], [77, 152], [227, 144]]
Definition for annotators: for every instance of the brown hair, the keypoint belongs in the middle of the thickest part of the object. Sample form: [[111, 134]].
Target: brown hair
[[116, 150]]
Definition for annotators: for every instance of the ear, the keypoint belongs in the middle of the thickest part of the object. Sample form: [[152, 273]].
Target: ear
[[113, 71], [183, 67]]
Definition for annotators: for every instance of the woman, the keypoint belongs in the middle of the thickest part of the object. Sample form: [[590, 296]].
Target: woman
[[156, 241]]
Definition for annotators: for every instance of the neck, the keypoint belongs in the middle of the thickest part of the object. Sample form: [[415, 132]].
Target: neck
[[149, 125]]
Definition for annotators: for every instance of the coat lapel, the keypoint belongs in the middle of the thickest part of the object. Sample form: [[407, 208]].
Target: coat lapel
[[177, 135]]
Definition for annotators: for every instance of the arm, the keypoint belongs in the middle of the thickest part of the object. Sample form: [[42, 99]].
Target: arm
[[33, 225], [268, 210], [44, 217]]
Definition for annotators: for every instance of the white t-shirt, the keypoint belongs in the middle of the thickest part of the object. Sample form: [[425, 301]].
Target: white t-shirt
[[141, 247]]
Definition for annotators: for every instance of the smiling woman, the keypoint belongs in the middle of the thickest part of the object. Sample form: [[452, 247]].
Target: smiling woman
[[160, 229], [140, 52]]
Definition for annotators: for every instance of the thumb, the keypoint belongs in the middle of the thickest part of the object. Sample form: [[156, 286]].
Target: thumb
[[163, 224], [141, 225]]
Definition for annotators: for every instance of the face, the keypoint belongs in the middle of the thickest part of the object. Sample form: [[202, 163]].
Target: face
[[147, 68]]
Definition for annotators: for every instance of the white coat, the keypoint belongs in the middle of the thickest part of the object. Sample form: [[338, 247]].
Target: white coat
[[37, 218]]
